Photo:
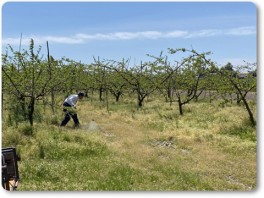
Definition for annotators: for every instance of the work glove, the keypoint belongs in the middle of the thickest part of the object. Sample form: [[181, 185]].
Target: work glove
[[73, 109]]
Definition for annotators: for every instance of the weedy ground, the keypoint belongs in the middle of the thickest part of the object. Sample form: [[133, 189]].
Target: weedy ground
[[210, 148]]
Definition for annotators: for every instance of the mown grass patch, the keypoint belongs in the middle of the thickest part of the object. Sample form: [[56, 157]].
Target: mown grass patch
[[149, 149]]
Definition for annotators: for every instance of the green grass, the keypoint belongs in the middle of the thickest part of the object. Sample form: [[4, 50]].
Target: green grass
[[213, 148], [242, 131]]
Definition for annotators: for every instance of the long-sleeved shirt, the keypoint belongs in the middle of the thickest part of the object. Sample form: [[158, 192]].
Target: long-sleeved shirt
[[71, 100]]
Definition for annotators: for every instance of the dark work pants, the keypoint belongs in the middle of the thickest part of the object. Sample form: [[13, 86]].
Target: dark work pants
[[68, 116]]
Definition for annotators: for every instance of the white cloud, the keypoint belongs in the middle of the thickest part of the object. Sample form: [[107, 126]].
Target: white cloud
[[204, 33], [84, 38], [176, 34], [57, 39], [242, 31], [124, 35], [150, 34]]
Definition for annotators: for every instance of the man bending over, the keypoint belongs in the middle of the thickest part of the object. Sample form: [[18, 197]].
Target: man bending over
[[69, 108]]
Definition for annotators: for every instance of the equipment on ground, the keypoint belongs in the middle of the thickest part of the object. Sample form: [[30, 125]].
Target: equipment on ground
[[10, 175]]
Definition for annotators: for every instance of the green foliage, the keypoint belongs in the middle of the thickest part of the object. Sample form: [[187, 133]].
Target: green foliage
[[31, 78], [25, 129], [16, 111], [11, 137], [208, 139], [244, 131]]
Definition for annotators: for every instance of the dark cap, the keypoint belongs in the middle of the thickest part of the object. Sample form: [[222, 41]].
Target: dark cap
[[80, 94]]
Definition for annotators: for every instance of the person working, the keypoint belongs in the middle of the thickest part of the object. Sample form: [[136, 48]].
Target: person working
[[69, 108]]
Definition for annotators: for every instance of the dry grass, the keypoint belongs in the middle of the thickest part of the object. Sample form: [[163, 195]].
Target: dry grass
[[150, 149], [199, 146]]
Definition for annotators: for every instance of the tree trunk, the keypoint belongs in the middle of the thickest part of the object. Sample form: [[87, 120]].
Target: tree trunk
[[243, 97], [140, 101], [31, 110], [251, 117], [101, 93], [53, 101], [180, 106], [169, 93], [117, 96]]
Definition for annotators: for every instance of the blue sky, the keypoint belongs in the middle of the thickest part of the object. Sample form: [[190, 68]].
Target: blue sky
[[116, 30]]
